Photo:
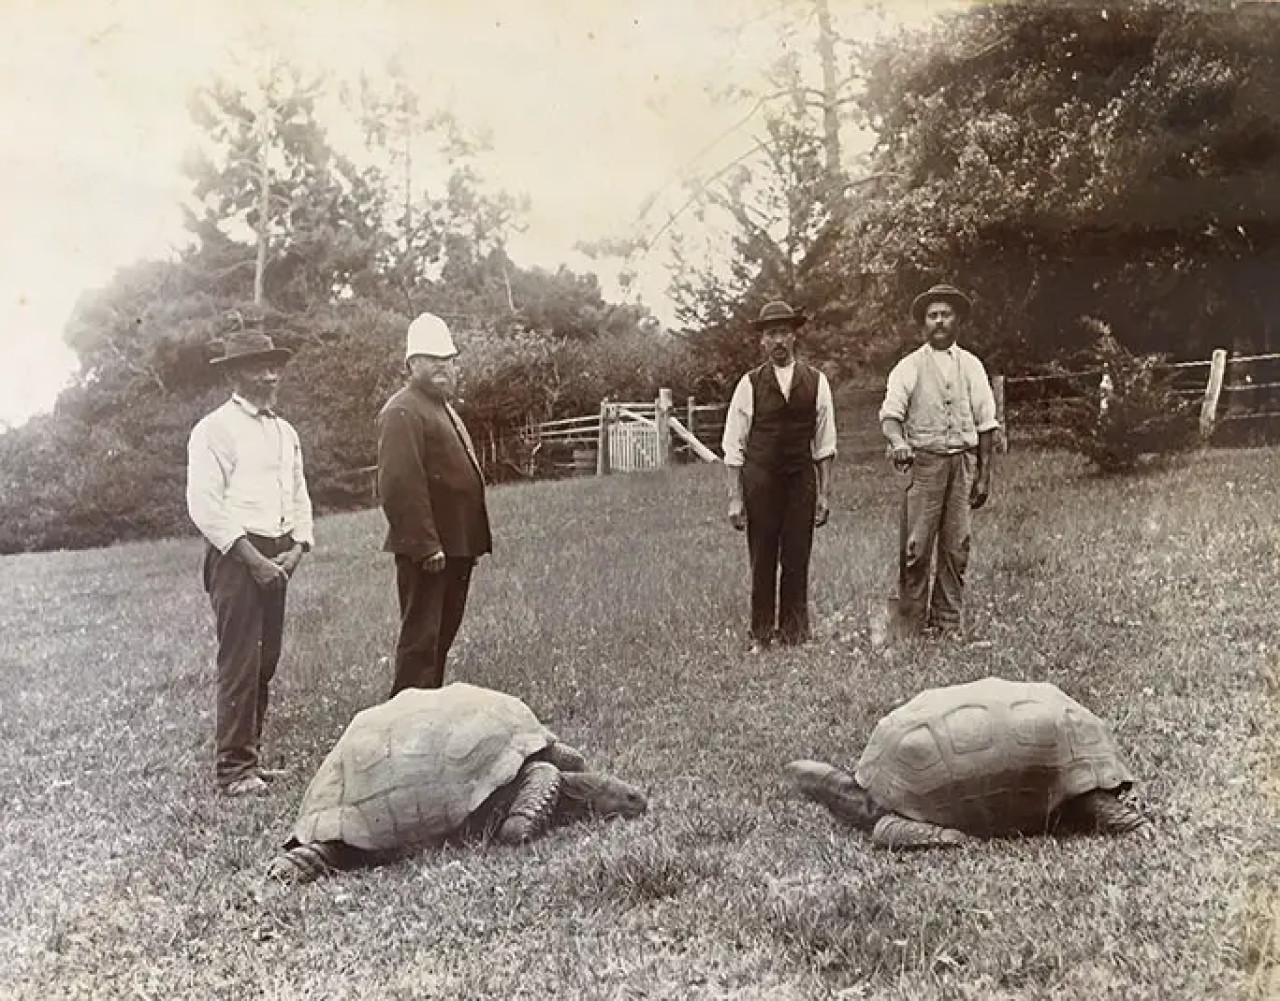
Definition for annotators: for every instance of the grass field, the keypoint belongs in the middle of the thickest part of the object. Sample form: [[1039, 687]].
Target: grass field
[[616, 608]]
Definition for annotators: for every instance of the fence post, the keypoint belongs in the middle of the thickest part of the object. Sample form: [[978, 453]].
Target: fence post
[[602, 437], [661, 413], [691, 413], [1002, 432], [1212, 390]]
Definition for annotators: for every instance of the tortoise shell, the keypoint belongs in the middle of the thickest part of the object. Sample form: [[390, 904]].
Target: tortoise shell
[[411, 770], [989, 757]]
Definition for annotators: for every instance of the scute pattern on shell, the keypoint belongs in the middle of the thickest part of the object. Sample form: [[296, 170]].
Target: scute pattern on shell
[[411, 770], [991, 756]]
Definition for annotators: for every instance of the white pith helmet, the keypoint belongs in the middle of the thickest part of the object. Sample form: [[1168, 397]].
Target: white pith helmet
[[429, 335]]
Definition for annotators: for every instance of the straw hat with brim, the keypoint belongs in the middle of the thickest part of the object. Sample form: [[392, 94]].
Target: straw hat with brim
[[779, 314], [940, 293], [249, 347]]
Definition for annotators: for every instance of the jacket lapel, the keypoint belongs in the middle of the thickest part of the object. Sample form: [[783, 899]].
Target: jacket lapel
[[466, 438]]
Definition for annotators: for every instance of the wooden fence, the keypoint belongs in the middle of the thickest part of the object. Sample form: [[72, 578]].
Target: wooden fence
[[1239, 401], [1243, 391], [1239, 398]]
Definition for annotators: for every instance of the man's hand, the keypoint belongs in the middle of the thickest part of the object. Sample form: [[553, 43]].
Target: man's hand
[[288, 561], [267, 574], [433, 563], [980, 490], [902, 457], [821, 511], [737, 514]]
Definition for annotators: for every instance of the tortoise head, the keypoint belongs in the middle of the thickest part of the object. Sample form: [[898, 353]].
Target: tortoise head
[[838, 791], [595, 794]]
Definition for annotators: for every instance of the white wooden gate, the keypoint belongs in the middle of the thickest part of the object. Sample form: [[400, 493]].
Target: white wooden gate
[[637, 436], [633, 446]]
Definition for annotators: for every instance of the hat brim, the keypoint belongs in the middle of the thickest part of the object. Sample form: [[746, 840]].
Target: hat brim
[[798, 320], [957, 300], [277, 355]]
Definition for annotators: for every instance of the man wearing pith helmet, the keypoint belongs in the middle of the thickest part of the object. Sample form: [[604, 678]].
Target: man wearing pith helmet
[[247, 494], [779, 441], [432, 493], [939, 415]]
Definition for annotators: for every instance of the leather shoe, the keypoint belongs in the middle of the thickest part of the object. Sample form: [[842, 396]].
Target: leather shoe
[[246, 785]]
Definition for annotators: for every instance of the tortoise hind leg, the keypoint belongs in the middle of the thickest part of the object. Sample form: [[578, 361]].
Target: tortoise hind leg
[[537, 790], [304, 863], [894, 831], [1104, 812]]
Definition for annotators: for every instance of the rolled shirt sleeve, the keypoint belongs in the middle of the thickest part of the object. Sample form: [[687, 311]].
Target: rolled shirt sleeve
[[209, 463], [737, 424], [303, 518], [982, 401], [898, 389], [824, 430]]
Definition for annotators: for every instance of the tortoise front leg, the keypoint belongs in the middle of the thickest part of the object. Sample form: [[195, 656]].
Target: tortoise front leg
[[894, 831], [1104, 813], [303, 863], [536, 794]]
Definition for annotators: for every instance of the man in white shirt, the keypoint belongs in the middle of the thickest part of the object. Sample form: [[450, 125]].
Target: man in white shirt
[[247, 494], [939, 415], [779, 441]]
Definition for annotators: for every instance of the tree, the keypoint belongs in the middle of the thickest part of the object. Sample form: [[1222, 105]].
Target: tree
[[1060, 159], [775, 216], [269, 172]]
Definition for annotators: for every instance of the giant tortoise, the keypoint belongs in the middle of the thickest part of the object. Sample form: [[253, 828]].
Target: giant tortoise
[[988, 758], [433, 765]]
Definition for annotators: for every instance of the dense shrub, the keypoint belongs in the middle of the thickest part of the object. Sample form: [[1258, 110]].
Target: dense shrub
[[1130, 410]]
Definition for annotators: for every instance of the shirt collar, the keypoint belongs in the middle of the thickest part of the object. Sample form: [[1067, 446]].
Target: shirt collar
[[789, 366], [253, 410]]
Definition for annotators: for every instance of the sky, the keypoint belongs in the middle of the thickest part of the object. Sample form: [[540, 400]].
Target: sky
[[594, 107]]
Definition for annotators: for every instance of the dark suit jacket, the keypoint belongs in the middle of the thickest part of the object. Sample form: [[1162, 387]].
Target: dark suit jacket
[[429, 482]]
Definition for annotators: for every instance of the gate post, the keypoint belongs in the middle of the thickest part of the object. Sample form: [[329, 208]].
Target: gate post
[[602, 438], [662, 414]]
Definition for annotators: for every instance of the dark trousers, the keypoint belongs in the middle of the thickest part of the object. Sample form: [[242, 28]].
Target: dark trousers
[[250, 627], [780, 510], [431, 607]]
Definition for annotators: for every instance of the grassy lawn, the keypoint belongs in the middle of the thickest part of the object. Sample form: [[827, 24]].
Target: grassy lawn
[[616, 608]]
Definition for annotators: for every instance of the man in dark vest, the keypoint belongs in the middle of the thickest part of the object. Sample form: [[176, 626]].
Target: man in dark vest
[[779, 440], [432, 493]]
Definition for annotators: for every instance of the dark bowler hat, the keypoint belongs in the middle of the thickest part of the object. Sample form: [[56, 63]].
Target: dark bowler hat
[[779, 313], [940, 293], [249, 346]]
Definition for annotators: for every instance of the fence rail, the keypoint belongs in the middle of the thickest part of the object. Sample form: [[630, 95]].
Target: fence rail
[[1242, 391], [1238, 391]]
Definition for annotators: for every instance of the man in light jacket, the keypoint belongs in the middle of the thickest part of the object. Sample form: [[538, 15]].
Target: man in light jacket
[[432, 493], [939, 415], [247, 494]]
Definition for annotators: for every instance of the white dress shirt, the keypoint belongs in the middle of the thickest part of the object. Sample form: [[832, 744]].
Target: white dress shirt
[[737, 424], [245, 475]]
